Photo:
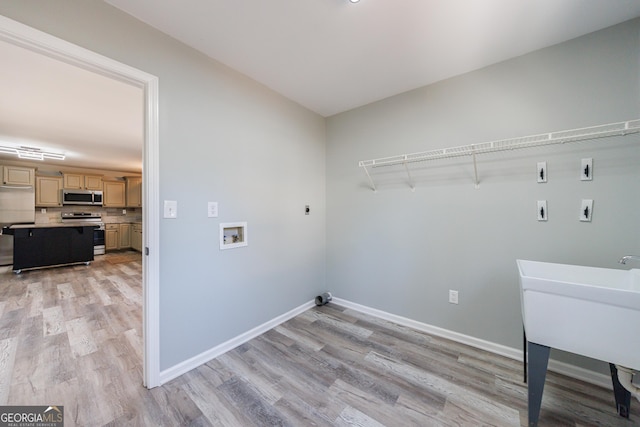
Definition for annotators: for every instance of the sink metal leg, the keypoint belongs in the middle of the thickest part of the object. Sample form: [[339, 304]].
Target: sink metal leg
[[524, 353], [538, 361], [622, 395]]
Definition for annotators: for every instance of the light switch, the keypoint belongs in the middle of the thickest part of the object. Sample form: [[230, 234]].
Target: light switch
[[212, 209], [453, 296], [542, 210], [586, 210], [542, 171], [170, 209], [586, 170]]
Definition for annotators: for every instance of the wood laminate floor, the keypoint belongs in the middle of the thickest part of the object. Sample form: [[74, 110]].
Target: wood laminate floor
[[72, 336]]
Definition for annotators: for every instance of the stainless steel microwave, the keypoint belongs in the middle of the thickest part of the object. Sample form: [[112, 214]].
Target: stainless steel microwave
[[82, 197]]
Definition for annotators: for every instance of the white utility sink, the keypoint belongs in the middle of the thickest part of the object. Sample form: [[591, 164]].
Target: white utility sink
[[590, 311]]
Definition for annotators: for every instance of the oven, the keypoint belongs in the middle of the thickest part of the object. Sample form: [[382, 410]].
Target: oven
[[98, 240], [88, 218]]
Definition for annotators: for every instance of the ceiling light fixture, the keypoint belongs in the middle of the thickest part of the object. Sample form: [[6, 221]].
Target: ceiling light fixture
[[354, 1], [31, 153]]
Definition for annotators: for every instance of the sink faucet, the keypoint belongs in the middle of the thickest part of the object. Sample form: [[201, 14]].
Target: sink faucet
[[625, 258]]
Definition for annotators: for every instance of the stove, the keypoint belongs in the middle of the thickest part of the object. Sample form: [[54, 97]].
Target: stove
[[88, 218], [80, 217]]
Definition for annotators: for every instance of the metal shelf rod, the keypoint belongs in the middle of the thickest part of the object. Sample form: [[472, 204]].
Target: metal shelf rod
[[551, 138]]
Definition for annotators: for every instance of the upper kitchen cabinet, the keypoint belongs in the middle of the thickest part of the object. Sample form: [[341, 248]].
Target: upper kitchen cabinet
[[93, 182], [18, 175], [48, 191], [134, 191], [114, 194], [73, 180], [82, 182]]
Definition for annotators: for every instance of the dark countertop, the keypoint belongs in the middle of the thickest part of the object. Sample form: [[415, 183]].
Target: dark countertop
[[56, 224]]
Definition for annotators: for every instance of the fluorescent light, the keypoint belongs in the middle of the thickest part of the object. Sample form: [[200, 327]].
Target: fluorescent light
[[53, 156], [31, 153]]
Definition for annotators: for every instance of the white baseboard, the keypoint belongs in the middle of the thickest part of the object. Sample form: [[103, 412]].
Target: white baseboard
[[202, 358], [512, 353]]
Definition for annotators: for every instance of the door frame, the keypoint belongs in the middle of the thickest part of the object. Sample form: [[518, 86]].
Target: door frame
[[35, 40]]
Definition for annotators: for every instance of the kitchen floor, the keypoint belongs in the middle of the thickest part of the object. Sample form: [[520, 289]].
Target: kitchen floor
[[71, 336]]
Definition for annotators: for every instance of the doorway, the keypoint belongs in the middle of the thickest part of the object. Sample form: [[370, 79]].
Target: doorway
[[29, 38]]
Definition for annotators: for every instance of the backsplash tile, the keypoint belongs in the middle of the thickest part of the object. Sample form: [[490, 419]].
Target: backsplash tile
[[109, 215]]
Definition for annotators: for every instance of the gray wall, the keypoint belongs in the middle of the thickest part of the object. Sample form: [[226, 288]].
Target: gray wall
[[401, 252], [223, 138]]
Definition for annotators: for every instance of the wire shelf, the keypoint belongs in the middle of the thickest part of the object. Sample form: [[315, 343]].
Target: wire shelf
[[559, 137]]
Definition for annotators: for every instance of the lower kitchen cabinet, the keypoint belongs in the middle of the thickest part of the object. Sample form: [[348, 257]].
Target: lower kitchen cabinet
[[136, 237], [125, 236], [111, 237], [119, 236]]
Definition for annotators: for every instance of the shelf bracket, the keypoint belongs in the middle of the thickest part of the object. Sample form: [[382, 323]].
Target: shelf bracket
[[373, 186], [411, 185], [475, 167]]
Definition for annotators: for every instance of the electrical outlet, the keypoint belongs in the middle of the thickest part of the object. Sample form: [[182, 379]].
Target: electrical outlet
[[542, 171], [124, 211], [586, 210], [542, 210], [586, 170], [453, 296]]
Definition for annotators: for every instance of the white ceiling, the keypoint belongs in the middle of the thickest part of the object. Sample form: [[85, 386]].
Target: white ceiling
[[97, 122], [327, 55], [331, 55]]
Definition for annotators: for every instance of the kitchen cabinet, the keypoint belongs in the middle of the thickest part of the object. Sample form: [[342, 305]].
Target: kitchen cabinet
[[114, 194], [48, 192], [111, 237], [134, 191], [125, 236], [17, 175], [93, 182], [136, 237], [117, 236], [82, 182]]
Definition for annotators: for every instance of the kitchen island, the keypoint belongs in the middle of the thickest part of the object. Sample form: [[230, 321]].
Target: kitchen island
[[44, 245]]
